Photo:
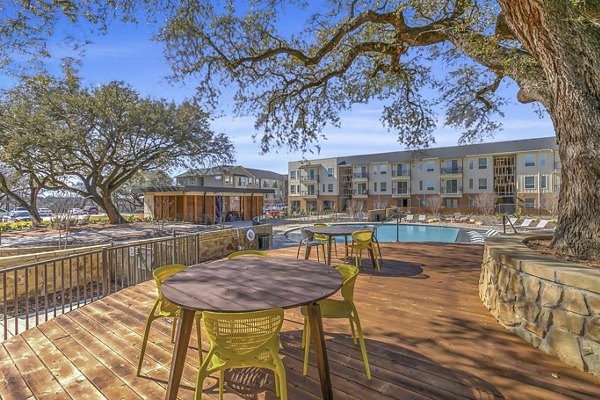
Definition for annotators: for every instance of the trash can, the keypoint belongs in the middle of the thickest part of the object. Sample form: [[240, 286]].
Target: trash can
[[263, 241]]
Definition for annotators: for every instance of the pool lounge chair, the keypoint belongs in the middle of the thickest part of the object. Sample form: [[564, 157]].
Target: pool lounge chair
[[525, 224], [541, 226], [422, 218], [409, 218]]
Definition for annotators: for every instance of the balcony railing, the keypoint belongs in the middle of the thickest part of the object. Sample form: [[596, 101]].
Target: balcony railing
[[400, 172], [309, 178], [451, 170], [400, 192], [447, 190], [360, 175], [309, 194], [360, 192]]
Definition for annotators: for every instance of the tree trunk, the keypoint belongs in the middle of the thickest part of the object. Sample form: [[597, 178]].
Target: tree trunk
[[568, 50], [111, 211]]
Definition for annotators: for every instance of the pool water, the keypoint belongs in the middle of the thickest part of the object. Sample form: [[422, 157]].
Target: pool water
[[403, 233]]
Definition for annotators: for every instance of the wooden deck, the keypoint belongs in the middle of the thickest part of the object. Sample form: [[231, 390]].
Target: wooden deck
[[427, 334]]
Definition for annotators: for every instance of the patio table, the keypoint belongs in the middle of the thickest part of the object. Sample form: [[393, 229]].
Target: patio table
[[250, 284], [337, 230]]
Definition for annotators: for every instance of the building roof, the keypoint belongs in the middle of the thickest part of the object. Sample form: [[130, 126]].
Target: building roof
[[264, 174], [226, 169], [204, 189], [511, 146]]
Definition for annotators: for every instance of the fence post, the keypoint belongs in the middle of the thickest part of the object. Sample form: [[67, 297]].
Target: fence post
[[173, 248], [105, 283], [197, 249]]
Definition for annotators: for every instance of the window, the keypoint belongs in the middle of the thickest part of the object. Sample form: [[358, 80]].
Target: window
[[330, 171], [361, 188], [471, 183], [228, 179], [543, 181], [530, 160], [375, 186], [482, 183], [330, 187], [452, 186], [266, 184], [383, 187], [292, 189], [470, 164], [402, 187], [323, 188], [420, 185], [529, 203], [420, 166], [250, 181], [383, 169], [542, 160], [311, 190], [430, 166], [293, 174], [275, 184], [482, 162], [530, 182], [295, 205], [430, 185]]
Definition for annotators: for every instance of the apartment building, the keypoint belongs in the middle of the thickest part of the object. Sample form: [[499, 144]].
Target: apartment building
[[510, 175], [237, 176]]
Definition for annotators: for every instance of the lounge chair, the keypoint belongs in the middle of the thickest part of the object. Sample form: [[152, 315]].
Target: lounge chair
[[541, 225], [422, 218], [524, 224], [409, 218]]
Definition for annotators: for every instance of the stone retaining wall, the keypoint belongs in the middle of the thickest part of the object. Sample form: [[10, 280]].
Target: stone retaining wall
[[552, 304]]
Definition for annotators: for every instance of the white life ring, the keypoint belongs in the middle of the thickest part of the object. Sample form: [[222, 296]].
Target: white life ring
[[250, 234]]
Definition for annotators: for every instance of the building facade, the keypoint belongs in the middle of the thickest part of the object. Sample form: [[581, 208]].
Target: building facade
[[502, 176], [239, 177]]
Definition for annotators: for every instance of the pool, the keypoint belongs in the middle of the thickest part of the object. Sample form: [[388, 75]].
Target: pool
[[406, 233]]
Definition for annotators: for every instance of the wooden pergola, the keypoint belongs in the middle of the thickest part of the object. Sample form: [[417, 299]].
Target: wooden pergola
[[204, 204]]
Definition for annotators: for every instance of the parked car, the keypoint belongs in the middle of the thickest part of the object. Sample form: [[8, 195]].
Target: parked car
[[76, 211], [17, 216], [45, 212], [90, 209]]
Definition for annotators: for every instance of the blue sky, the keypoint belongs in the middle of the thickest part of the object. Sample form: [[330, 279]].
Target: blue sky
[[126, 53]]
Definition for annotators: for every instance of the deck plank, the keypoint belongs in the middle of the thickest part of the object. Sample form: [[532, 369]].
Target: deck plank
[[427, 334]]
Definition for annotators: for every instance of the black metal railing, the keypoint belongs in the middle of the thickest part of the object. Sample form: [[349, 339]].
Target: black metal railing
[[36, 292], [400, 172], [360, 192], [360, 175], [451, 170]]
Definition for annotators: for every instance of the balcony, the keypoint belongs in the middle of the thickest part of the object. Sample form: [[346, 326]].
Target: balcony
[[360, 175], [403, 173], [360, 193], [309, 178], [451, 192], [451, 170], [400, 193], [309, 194]]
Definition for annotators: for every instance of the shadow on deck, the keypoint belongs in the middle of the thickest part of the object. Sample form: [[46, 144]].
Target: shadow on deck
[[428, 337]]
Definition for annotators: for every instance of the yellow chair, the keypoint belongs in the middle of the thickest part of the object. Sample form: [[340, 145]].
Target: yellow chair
[[163, 308], [240, 340], [332, 308], [363, 240], [324, 238], [247, 253]]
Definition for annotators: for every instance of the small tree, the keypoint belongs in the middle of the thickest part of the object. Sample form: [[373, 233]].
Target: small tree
[[433, 203], [484, 202]]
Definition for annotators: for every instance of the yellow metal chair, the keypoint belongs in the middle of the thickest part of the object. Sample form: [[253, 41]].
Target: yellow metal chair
[[324, 239], [240, 340], [163, 308], [247, 253], [332, 308], [363, 240]]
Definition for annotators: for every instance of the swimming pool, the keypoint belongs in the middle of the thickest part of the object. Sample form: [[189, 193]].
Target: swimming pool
[[406, 233]]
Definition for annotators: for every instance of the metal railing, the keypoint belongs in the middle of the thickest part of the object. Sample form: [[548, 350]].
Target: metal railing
[[451, 170], [360, 192], [448, 190], [39, 291], [309, 178], [309, 194], [360, 175], [400, 172], [400, 191]]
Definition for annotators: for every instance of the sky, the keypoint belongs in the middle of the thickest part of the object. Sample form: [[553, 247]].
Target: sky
[[126, 53]]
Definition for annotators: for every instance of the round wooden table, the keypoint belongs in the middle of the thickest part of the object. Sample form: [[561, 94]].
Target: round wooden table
[[250, 284], [336, 230]]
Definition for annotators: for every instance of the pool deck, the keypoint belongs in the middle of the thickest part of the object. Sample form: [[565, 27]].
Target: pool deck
[[427, 335]]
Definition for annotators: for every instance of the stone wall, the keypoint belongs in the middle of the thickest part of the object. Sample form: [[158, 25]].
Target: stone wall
[[552, 304]]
